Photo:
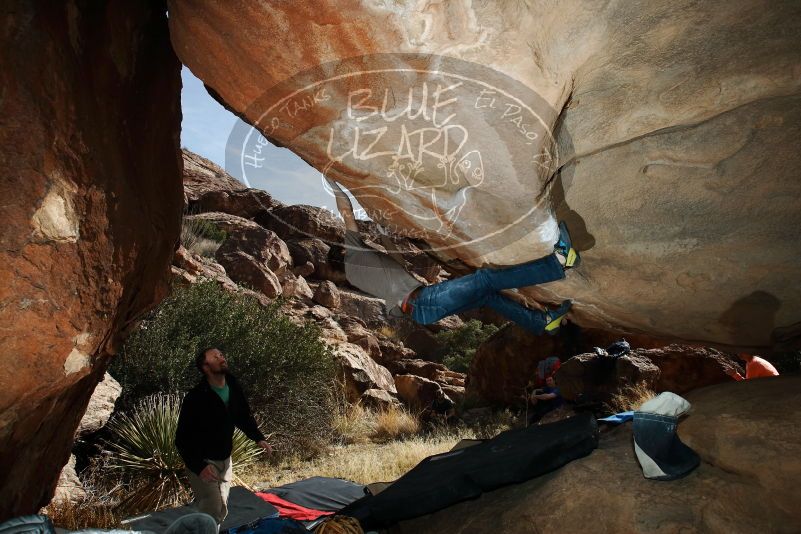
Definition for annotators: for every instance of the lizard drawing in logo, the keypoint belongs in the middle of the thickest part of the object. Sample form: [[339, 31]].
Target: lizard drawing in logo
[[443, 188]]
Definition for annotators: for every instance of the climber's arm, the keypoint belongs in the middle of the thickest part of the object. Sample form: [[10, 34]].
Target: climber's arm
[[344, 206]]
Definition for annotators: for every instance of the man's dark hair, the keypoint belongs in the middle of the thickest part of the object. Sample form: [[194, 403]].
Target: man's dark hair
[[200, 357]]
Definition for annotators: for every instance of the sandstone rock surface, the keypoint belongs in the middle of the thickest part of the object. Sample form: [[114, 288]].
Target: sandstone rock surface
[[507, 361], [100, 407], [327, 294], [303, 222], [597, 378], [250, 271], [69, 487], [663, 132], [262, 244], [207, 187], [201, 176], [90, 177], [676, 368], [420, 393], [360, 372], [224, 221], [750, 449]]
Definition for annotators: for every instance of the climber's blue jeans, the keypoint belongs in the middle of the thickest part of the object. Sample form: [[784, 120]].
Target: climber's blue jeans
[[481, 289]]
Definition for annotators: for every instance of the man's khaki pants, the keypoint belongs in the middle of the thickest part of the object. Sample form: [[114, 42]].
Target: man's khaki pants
[[212, 497]]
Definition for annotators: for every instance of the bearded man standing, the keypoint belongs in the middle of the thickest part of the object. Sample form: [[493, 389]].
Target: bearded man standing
[[204, 437]]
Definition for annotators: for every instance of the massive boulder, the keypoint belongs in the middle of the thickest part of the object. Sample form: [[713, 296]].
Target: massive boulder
[[262, 244], [663, 132], [676, 368], [327, 294], [684, 368], [254, 257], [750, 447], [420, 393], [359, 372], [303, 222], [223, 221], [597, 378], [90, 176], [202, 176], [507, 361], [207, 187]]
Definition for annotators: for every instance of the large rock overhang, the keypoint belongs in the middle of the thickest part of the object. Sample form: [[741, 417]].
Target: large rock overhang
[[673, 129]]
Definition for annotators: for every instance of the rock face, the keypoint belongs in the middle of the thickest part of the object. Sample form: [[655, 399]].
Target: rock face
[[360, 372], [683, 368], [420, 393], [735, 489], [202, 176], [100, 407], [505, 362], [597, 378], [663, 133], [207, 187], [69, 487], [98, 412], [327, 294], [302, 222], [90, 173], [676, 368], [254, 257]]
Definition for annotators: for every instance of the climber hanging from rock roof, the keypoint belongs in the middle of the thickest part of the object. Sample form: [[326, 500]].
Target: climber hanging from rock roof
[[378, 274]]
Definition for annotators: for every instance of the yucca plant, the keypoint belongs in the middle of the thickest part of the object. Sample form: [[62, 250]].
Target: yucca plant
[[142, 450]]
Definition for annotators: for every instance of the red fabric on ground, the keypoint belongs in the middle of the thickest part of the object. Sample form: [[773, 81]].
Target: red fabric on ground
[[292, 510]]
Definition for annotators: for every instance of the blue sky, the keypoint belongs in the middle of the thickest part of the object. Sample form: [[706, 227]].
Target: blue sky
[[205, 129]]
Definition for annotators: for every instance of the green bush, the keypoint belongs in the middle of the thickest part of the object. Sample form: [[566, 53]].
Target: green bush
[[141, 450], [462, 343], [287, 372]]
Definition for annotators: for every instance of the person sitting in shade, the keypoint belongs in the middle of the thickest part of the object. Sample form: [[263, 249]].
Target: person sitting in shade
[[755, 367], [544, 400], [378, 274]]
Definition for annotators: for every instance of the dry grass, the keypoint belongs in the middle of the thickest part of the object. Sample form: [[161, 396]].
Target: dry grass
[[388, 332], [357, 424], [394, 424], [89, 512], [631, 398], [192, 238], [371, 455], [362, 463]]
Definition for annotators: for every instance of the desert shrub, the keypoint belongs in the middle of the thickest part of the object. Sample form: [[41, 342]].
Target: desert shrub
[[287, 372], [201, 236], [141, 452], [353, 423], [395, 423], [461, 343]]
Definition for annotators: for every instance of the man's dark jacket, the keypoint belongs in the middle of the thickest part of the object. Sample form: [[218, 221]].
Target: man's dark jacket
[[206, 426]]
